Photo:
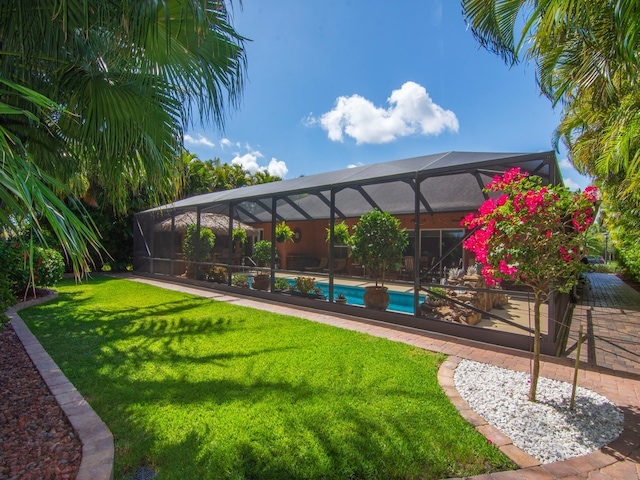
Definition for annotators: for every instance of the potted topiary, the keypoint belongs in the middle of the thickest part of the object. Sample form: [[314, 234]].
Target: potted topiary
[[284, 233], [377, 243], [341, 299], [262, 257], [197, 250]]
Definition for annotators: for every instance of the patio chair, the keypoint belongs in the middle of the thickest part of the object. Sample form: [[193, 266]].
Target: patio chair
[[407, 267], [339, 266], [324, 261]]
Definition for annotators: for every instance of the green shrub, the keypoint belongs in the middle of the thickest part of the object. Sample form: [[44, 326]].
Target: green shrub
[[48, 267], [378, 243], [198, 251], [262, 253], [305, 284], [240, 280], [218, 275], [281, 284], [15, 274]]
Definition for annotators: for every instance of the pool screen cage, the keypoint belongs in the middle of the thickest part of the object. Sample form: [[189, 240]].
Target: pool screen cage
[[428, 194]]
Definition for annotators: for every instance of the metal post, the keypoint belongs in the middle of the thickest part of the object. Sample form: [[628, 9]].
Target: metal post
[[416, 248], [332, 224]]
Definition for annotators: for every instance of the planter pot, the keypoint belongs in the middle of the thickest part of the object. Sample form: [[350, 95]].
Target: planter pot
[[262, 282], [190, 272], [314, 296], [341, 301], [376, 298]]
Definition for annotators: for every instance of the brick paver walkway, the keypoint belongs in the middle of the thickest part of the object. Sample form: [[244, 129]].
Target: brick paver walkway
[[614, 314], [609, 311]]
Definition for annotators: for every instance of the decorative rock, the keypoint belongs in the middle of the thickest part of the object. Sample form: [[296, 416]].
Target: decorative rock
[[546, 429]]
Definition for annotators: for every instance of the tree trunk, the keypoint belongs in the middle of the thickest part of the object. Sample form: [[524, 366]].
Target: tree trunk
[[536, 347]]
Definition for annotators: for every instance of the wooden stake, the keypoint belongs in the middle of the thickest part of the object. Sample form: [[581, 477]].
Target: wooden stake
[[575, 373]]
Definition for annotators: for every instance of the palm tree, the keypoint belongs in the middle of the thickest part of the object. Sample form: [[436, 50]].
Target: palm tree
[[586, 52], [112, 86], [583, 44]]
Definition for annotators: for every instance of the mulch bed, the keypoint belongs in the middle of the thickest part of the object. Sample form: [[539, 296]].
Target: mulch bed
[[36, 439]]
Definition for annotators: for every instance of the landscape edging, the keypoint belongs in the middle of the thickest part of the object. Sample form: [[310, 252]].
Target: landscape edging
[[93, 433]]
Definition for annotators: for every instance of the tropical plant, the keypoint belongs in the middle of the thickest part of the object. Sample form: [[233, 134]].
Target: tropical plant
[[281, 284], [262, 253], [378, 242], [305, 285], [284, 233], [240, 280], [218, 274], [25, 267], [101, 92], [239, 235], [205, 176], [586, 58], [197, 248], [534, 235], [340, 233], [48, 267]]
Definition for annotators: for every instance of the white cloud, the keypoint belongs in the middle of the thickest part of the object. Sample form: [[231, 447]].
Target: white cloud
[[201, 140], [571, 185], [225, 142], [309, 120], [565, 164], [248, 161], [354, 165], [411, 111], [278, 168]]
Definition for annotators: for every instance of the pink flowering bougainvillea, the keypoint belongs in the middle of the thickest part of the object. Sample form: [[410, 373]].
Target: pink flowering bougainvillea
[[531, 234]]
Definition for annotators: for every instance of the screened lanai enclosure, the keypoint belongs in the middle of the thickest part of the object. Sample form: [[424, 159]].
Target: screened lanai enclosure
[[437, 288]]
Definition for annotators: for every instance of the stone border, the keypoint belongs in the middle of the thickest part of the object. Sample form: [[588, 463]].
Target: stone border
[[96, 439], [530, 467]]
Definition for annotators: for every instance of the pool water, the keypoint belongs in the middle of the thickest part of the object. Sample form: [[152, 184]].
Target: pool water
[[399, 301]]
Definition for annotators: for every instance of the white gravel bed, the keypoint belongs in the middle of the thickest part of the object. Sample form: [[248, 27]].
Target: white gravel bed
[[547, 430]]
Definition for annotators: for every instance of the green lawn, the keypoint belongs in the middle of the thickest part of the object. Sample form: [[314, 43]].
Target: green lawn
[[198, 389]]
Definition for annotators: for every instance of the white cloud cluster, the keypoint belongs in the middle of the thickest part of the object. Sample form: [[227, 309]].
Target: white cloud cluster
[[249, 161], [225, 142], [411, 111], [201, 140]]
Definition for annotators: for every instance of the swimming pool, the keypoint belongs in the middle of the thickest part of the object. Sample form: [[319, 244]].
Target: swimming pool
[[399, 301]]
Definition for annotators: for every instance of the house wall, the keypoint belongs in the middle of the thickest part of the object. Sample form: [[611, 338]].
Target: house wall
[[312, 245]]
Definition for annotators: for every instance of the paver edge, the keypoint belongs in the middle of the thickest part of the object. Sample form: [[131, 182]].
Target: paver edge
[[448, 367]]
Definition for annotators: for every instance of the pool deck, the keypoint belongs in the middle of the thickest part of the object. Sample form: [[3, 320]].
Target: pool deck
[[516, 311]]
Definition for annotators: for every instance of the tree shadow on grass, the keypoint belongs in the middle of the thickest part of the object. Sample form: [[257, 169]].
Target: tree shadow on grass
[[348, 442]]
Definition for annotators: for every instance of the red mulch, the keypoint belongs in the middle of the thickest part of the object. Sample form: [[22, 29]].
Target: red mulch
[[36, 439]]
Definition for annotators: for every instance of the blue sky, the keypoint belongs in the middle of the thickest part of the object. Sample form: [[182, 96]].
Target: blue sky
[[332, 84]]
